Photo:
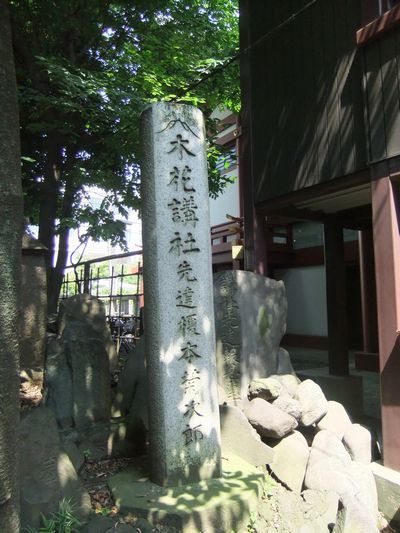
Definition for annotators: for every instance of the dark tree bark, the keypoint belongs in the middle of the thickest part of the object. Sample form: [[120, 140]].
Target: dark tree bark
[[10, 264]]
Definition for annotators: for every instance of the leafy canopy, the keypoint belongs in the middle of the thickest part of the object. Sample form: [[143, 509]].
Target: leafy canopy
[[87, 69]]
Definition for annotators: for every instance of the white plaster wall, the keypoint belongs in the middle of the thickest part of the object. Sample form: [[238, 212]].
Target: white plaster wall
[[226, 203], [306, 294]]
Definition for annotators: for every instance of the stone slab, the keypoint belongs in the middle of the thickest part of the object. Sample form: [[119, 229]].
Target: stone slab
[[388, 487], [250, 321], [240, 438], [211, 506], [184, 429], [346, 390]]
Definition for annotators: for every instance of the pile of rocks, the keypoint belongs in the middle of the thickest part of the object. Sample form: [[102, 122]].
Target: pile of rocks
[[316, 449]]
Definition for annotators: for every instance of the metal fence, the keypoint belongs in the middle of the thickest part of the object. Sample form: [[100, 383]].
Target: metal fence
[[118, 284]]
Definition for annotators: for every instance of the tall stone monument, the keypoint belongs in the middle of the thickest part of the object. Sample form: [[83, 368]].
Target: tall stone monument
[[179, 317]]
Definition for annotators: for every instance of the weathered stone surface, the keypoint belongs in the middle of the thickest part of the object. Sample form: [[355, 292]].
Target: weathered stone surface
[[250, 321], [184, 429], [131, 378], [238, 437], [46, 473], [88, 310], [284, 363], [330, 468], [290, 460], [289, 405], [358, 442], [77, 367], [289, 383], [321, 508], [336, 419], [32, 338], [266, 388], [268, 420], [313, 402], [58, 383]]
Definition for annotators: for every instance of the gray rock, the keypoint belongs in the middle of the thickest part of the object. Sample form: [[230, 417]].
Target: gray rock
[[321, 508], [77, 368], [289, 405], [330, 468], [358, 442], [240, 438], [313, 402], [290, 460], [284, 363], [336, 419], [75, 455], [90, 311], [289, 383], [46, 473], [250, 321], [58, 383], [268, 420], [266, 388], [131, 378], [99, 524]]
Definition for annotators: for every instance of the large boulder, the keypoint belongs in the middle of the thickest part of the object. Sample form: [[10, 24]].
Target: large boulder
[[336, 419], [78, 365], [238, 437], [88, 310], [268, 420], [358, 442], [266, 388], [330, 468], [288, 405], [46, 472], [250, 321], [314, 405], [290, 460]]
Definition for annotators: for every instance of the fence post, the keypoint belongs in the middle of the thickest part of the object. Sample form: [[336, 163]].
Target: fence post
[[86, 278]]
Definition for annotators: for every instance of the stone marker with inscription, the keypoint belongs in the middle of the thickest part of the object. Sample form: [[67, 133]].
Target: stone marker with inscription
[[179, 334]]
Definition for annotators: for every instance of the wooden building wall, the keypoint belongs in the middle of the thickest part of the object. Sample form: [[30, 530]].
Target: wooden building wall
[[306, 94], [381, 65]]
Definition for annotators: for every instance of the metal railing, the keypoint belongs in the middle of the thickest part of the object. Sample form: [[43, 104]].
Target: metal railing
[[119, 286]]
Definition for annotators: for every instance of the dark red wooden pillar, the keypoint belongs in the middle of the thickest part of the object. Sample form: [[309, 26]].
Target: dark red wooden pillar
[[368, 292], [386, 220], [336, 297], [255, 255]]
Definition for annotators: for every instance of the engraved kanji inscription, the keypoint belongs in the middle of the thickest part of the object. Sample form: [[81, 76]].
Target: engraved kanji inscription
[[184, 271], [189, 380], [188, 325], [191, 409], [185, 298], [179, 146], [174, 206], [188, 211], [182, 177], [192, 434], [189, 352], [186, 246]]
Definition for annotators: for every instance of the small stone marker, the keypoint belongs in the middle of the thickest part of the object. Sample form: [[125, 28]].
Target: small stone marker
[[179, 317]]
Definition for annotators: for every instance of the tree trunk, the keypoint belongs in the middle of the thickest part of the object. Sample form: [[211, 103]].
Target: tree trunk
[[48, 201], [10, 264], [57, 272]]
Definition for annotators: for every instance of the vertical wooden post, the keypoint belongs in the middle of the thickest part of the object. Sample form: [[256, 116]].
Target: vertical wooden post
[[368, 292], [336, 298], [386, 221]]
